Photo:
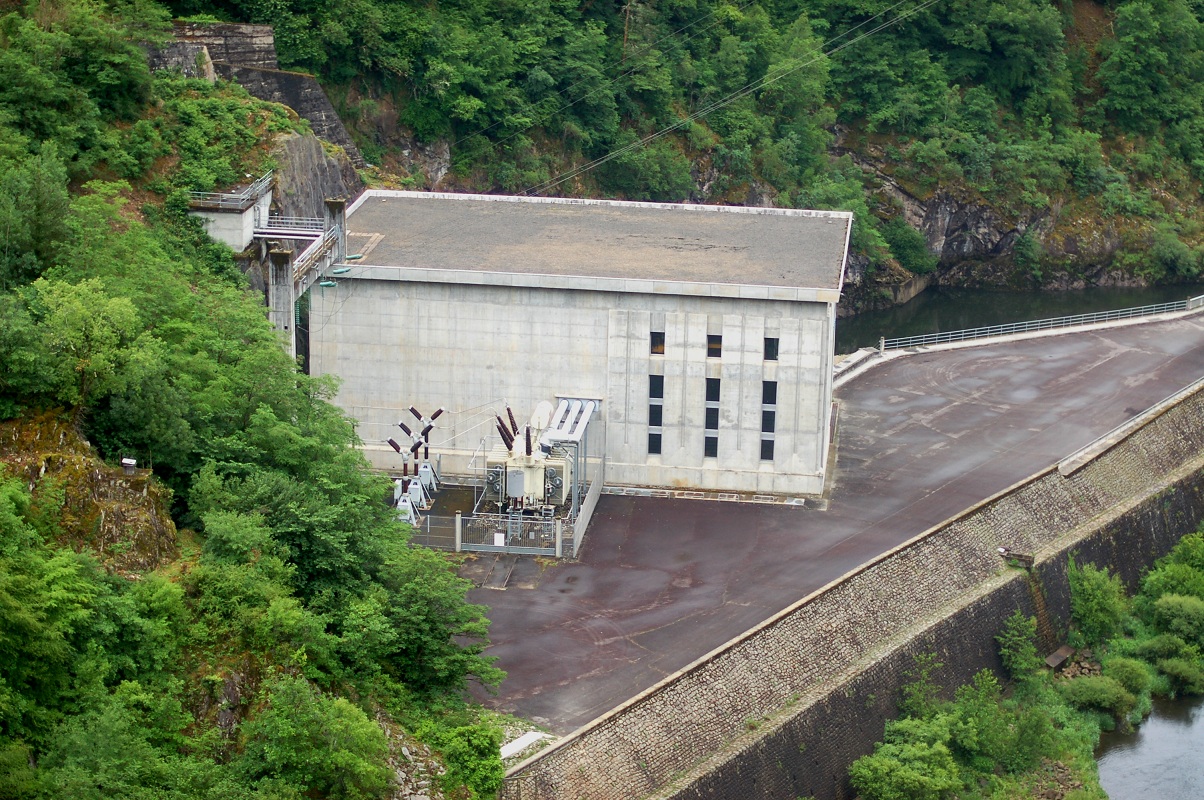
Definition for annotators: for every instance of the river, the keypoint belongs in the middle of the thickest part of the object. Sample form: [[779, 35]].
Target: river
[[941, 309], [1162, 760]]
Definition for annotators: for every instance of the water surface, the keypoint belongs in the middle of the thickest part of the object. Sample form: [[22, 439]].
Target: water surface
[[1162, 760], [944, 309]]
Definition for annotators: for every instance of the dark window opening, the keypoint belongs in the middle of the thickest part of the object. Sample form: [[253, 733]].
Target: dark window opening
[[658, 343], [714, 345], [712, 390], [769, 393], [656, 385], [654, 444], [712, 419], [655, 413], [771, 349], [710, 447], [767, 420], [767, 449]]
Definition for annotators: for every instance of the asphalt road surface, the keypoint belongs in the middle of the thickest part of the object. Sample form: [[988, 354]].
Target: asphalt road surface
[[661, 582]]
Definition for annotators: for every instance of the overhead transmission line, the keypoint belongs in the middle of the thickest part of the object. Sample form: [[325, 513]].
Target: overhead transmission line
[[740, 93], [447, 229]]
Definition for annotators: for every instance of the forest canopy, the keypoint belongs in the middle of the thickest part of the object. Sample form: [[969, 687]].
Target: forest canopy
[[1038, 110], [289, 625]]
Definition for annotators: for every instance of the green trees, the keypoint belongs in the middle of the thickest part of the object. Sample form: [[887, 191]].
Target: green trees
[[320, 745], [296, 585], [1097, 602]]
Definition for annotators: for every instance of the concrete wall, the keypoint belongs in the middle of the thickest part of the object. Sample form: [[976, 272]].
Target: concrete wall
[[473, 348], [782, 710], [235, 229]]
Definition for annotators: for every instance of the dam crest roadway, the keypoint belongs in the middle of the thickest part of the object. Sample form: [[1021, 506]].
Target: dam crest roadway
[[920, 437]]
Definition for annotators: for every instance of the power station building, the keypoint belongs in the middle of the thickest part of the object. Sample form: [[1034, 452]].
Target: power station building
[[703, 334]]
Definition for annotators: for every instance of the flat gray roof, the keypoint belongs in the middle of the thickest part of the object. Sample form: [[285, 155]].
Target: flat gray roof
[[603, 239]]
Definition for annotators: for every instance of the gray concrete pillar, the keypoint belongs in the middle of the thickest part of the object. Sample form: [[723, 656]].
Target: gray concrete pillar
[[459, 531], [282, 298], [558, 527], [336, 216]]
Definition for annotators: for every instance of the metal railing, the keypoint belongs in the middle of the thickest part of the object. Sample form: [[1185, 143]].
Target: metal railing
[[296, 223], [1052, 323], [278, 222], [240, 200], [320, 247], [510, 533]]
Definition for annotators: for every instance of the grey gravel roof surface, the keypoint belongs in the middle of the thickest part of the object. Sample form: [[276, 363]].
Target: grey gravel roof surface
[[605, 239]]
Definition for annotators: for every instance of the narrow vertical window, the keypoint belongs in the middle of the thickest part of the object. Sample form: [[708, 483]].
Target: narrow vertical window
[[656, 410], [771, 348], [769, 417], [710, 441], [657, 347], [714, 345]]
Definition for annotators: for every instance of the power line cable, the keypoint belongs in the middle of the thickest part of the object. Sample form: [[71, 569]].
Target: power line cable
[[744, 91], [427, 237]]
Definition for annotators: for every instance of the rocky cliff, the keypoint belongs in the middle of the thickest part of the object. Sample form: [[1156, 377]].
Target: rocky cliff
[[307, 173]]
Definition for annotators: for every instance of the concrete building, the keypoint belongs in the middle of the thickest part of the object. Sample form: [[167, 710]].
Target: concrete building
[[705, 333]]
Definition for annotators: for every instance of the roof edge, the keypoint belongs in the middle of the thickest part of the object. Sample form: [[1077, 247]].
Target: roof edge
[[574, 201]]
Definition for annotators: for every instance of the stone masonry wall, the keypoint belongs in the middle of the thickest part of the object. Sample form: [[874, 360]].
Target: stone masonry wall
[[232, 43], [786, 706]]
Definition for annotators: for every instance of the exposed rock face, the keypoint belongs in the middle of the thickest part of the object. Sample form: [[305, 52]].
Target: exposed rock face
[[246, 54], [957, 231], [306, 175], [122, 519], [432, 161], [298, 91], [191, 59]]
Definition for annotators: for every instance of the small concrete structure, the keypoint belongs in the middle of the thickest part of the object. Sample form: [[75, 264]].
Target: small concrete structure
[[230, 217], [705, 333]]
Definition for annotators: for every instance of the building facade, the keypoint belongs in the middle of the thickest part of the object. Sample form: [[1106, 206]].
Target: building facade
[[704, 333]]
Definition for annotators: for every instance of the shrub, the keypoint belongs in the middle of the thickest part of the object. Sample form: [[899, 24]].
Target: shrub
[[1165, 645], [1018, 646], [915, 763], [1129, 673], [472, 755], [1173, 578], [920, 696], [1190, 551], [322, 745], [1181, 615], [1099, 692], [1185, 676], [908, 246], [1097, 602]]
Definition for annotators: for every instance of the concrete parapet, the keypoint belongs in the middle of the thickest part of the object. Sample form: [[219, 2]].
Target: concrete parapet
[[782, 709]]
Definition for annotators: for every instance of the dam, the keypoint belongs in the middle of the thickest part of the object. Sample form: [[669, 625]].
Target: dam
[[694, 640]]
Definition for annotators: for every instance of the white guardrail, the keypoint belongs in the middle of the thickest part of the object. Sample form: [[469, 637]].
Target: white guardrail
[[239, 200], [990, 331]]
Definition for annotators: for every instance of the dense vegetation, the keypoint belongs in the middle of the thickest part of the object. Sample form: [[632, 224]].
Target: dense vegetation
[[294, 625], [1042, 731], [1077, 119]]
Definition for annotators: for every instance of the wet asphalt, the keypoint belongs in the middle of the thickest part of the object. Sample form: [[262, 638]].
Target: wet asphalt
[[661, 582]]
